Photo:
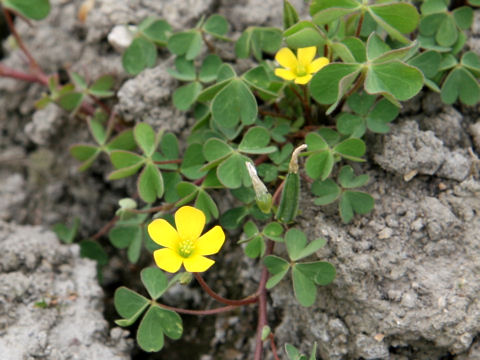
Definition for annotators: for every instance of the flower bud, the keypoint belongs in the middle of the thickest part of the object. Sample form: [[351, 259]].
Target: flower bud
[[262, 196]]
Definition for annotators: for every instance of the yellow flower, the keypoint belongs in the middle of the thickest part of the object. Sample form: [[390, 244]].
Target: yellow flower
[[185, 245], [300, 68]]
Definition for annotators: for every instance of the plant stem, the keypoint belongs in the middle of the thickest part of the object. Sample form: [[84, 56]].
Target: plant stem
[[359, 25], [277, 193], [262, 305], [33, 64], [105, 228], [19, 75], [274, 114], [248, 300], [273, 346], [199, 312]]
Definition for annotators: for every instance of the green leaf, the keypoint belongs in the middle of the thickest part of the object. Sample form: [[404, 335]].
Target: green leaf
[[471, 61], [205, 203], [170, 182], [319, 165], [232, 218], [396, 78], [304, 34], [184, 69], [154, 281], [348, 180], [188, 43], [325, 273], [396, 19], [357, 48], [139, 55], [292, 352], [350, 124], [150, 334], [273, 231], [123, 159], [37, 11], [428, 62], [463, 17], [276, 266], [376, 47], [325, 84], [290, 15], [233, 104], [255, 141], [102, 86], [326, 11], [86, 154], [327, 191], [193, 160], [447, 33], [216, 25], [145, 138], [171, 323], [78, 80], [157, 31], [311, 247], [67, 234], [215, 149], [304, 288], [97, 130], [185, 96], [92, 250], [255, 247], [257, 40], [352, 149], [295, 241], [150, 184], [352, 202], [135, 248], [123, 141], [315, 142], [129, 304], [383, 113], [169, 146], [232, 172], [71, 101], [209, 68], [460, 83], [122, 236]]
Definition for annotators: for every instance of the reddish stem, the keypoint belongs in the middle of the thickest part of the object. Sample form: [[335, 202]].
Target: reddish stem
[[274, 114], [359, 25], [273, 346], [277, 193], [105, 228], [248, 300], [19, 75], [262, 305], [199, 312]]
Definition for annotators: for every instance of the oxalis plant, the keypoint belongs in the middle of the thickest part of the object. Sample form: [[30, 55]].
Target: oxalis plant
[[299, 113]]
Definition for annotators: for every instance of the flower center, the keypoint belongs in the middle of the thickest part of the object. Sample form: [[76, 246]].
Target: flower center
[[301, 70], [186, 247]]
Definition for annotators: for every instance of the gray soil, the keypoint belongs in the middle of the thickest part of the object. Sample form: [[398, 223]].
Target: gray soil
[[407, 273]]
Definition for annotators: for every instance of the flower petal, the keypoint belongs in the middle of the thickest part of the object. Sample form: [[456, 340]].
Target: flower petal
[[285, 74], [286, 58], [168, 260], [163, 233], [306, 55], [317, 64], [210, 242], [303, 79], [190, 222], [197, 263]]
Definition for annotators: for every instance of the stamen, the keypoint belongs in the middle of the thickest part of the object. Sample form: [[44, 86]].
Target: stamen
[[186, 248]]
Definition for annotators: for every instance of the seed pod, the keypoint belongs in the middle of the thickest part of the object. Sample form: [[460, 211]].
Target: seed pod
[[288, 207]]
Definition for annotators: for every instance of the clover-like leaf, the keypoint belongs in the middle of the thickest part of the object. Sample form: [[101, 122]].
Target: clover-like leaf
[[86, 154], [129, 305], [325, 11], [352, 202], [188, 43], [304, 287], [37, 11], [255, 141], [304, 34], [216, 25], [154, 281], [150, 184], [233, 104], [319, 165], [460, 83], [185, 96], [348, 180], [327, 191], [276, 266], [141, 54]]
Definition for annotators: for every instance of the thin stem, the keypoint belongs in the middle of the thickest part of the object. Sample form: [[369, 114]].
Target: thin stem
[[199, 312], [165, 207], [274, 114], [277, 193], [19, 75], [262, 305], [18, 39], [105, 228], [210, 46], [248, 300], [273, 346], [303, 101], [359, 25]]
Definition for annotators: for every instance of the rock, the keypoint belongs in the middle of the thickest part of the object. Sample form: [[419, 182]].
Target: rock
[[50, 301], [416, 288], [447, 126], [147, 97], [409, 151], [406, 148], [12, 195], [45, 124]]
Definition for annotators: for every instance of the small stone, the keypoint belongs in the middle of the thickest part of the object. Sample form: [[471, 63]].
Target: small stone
[[385, 233]]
